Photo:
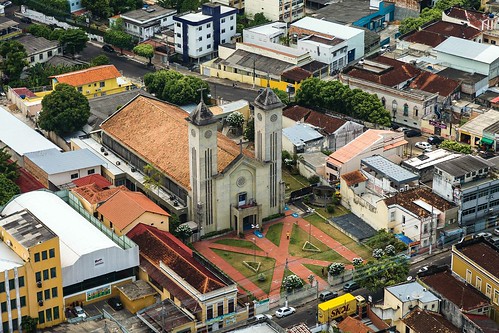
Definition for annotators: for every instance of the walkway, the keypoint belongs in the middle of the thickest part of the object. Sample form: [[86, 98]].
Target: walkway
[[283, 260]]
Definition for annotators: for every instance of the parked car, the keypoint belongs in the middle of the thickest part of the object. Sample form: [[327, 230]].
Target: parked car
[[435, 140], [402, 129], [423, 145], [263, 317], [79, 312], [483, 234], [115, 303], [285, 311], [423, 269], [25, 19], [108, 48], [326, 295], [6, 3], [385, 48], [412, 133], [351, 286], [496, 231]]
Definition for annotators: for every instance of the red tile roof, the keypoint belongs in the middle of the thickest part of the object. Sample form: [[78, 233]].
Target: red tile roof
[[157, 245], [94, 194], [424, 321], [354, 177], [327, 123], [352, 325], [434, 83], [406, 199], [92, 179], [125, 207], [485, 323], [296, 74], [89, 75], [426, 38], [474, 18], [437, 32], [482, 253], [296, 112], [24, 91]]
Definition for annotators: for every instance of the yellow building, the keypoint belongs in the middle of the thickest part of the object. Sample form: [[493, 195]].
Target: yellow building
[[477, 262], [31, 276], [95, 81]]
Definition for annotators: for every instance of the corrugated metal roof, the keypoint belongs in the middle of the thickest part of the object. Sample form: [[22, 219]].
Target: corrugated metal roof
[[301, 134], [52, 161], [389, 169], [470, 50]]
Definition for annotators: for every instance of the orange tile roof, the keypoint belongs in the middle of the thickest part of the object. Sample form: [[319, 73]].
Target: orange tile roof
[[89, 75], [92, 179], [125, 207], [352, 325], [95, 194], [158, 132], [354, 177]]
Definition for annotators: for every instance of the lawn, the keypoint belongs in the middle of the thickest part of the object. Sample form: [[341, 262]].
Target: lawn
[[274, 233], [300, 236], [337, 235], [236, 260], [238, 243], [339, 210], [317, 270], [294, 182]]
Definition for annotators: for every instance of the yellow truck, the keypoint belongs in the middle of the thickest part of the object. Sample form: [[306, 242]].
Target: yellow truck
[[339, 307]]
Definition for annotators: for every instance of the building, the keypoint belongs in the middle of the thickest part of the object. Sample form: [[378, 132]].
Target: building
[[471, 57], [472, 84], [388, 144], [95, 81], [477, 262], [265, 33], [478, 20], [9, 29], [302, 138], [354, 37], [312, 164], [284, 11], [474, 131], [144, 23], [424, 164], [125, 209], [421, 321], [39, 49], [332, 51], [75, 5], [91, 196], [198, 35], [218, 192], [468, 181], [179, 274], [55, 169], [337, 131], [11, 129]]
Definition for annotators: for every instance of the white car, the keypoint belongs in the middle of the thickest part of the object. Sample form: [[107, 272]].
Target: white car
[[423, 269], [284, 311], [423, 145], [496, 231], [263, 317], [79, 312], [483, 234]]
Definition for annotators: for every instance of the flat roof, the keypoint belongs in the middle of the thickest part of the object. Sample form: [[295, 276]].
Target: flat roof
[[355, 226], [136, 290], [466, 77], [151, 13], [86, 144], [345, 12], [262, 65], [480, 122], [6, 23], [74, 240], [20, 137], [431, 158], [195, 17], [327, 28], [269, 29], [300, 134], [9, 259], [468, 49], [408, 292], [53, 161], [389, 169], [26, 228], [462, 165]]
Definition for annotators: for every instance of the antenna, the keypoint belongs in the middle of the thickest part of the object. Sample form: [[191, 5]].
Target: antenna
[[201, 93]]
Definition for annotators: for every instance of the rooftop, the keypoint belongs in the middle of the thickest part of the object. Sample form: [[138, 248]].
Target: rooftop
[[354, 177], [469, 50], [424, 321], [151, 13], [420, 201], [24, 227], [482, 253], [486, 324], [52, 161], [88, 75], [329, 28], [430, 158], [352, 325], [389, 169], [323, 40], [435, 84], [136, 126], [412, 291], [34, 45], [301, 134], [263, 65], [136, 290], [328, 123], [480, 122], [345, 12], [456, 74], [462, 295], [296, 74], [94, 194], [462, 165], [474, 17], [92, 179], [269, 29], [10, 259], [355, 226], [437, 32], [5, 23], [11, 129], [154, 316]]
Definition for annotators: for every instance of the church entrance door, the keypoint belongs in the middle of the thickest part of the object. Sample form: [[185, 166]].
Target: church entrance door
[[248, 221]]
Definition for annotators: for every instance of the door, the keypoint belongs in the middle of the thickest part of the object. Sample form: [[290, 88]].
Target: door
[[351, 55]]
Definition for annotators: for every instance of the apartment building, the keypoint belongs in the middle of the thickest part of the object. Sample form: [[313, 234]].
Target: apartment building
[[145, 22], [276, 10]]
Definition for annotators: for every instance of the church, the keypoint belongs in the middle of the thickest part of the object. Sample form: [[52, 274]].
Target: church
[[207, 178]]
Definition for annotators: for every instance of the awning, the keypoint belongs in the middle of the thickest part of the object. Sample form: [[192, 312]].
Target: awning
[[403, 238], [487, 141]]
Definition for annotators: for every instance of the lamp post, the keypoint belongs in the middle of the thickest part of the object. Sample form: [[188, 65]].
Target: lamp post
[[309, 231], [254, 249]]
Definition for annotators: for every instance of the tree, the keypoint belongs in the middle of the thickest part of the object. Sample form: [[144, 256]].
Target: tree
[[152, 177], [8, 168], [357, 262], [99, 60], [243, 21], [180, 5], [183, 232], [249, 131], [456, 146], [39, 30], [99, 8], [235, 119], [173, 223], [29, 324], [73, 41], [122, 6], [336, 268], [382, 273], [7, 189], [118, 38], [283, 96], [14, 59], [64, 111], [384, 238], [291, 282], [144, 50]]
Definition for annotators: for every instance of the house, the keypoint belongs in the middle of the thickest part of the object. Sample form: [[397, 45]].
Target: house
[[11, 129], [473, 132], [477, 262], [331, 51], [312, 164], [473, 18], [125, 209], [198, 35], [274, 10], [421, 321], [177, 320], [302, 138], [233, 198], [144, 23], [95, 81], [471, 57], [472, 84], [424, 164], [352, 325], [75, 5], [337, 131], [91, 196], [469, 182], [354, 37], [389, 144], [79, 263], [137, 295], [181, 275], [39, 49], [458, 300], [55, 169], [265, 33], [9, 29]]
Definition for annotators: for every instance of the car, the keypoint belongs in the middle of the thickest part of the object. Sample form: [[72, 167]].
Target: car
[[25, 19], [6, 3], [483, 234], [326, 295], [263, 317], [285, 311], [108, 48], [412, 133], [402, 129], [351, 286], [115, 303], [79, 312], [385, 48], [494, 240], [423, 269], [423, 145], [496, 231], [435, 140]]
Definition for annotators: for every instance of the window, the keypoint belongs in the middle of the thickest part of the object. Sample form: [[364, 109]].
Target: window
[[220, 308], [15, 324], [52, 253], [3, 307], [48, 314], [38, 276], [102, 84], [37, 257], [39, 296], [49, 53], [478, 283], [223, 41], [40, 56], [392, 216], [45, 274], [200, 38], [488, 290], [56, 312], [46, 293], [208, 25], [2, 287], [394, 106], [209, 312], [223, 20], [52, 273], [232, 17], [468, 276], [91, 171], [179, 25], [406, 109], [231, 306], [208, 46], [179, 35], [200, 49], [41, 317], [232, 28], [415, 111], [403, 219], [54, 292], [496, 296], [74, 176], [12, 284], [44, 255], [22, 301], [21, 281], [383, 101], [32, 59], [223, 31], [200, 28]]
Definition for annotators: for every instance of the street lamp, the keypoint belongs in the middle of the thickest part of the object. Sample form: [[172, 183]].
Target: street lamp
[[254, 249]]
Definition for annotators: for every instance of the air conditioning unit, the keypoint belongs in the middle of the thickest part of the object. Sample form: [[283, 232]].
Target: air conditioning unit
[[118, 163], [39, 284], [8, 242], [133, 169], [106, 153], [175, 203], [102, 149], [40, 302]]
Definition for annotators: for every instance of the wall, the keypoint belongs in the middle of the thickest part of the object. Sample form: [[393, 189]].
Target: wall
[[345, 134], [137, 304], [46, 55], [95, 89], [36, 172], [467, 65], [161, 222], [336, 55]]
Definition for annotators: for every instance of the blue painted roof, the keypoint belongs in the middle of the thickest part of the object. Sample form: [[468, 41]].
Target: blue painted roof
[[403, 238]]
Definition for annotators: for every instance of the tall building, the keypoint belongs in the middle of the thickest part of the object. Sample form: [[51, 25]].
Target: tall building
[[276, 10]]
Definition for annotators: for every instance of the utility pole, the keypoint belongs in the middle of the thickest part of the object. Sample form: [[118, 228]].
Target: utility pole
[[431, 230], [254, 71]]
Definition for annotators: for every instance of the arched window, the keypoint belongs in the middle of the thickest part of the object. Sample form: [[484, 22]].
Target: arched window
[[416, 112], [383, 101], [406, 109], [394, 106]]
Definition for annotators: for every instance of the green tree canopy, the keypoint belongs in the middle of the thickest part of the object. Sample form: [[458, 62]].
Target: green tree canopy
[[73, 40], [244, 22], [7, 189], [144, 50], [8, 168], [383, 239], [183, 232], [64, 111], [99, 60], [249, 131], [99, 8], [118, 38], [180, 5], [122, 6], [14, 59], [283, 96], [39, 30], [382, 273]]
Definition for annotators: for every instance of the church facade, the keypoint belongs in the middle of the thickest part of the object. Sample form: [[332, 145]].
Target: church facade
[[221, 184]]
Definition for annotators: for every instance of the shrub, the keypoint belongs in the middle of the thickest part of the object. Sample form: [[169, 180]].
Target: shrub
[[336, 268], [261, 277], [314, 179], [292, 281], [330, 209]]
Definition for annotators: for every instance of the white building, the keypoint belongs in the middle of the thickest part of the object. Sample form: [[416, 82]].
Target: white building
[[265, 34], [302, 138], [144, 23], [353, 37], [332, 51], [276, 10], [75, 5], [198, 35], [39, 49]]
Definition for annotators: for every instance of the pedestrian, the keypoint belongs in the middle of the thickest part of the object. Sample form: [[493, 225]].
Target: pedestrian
[[287, 235]]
